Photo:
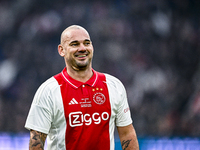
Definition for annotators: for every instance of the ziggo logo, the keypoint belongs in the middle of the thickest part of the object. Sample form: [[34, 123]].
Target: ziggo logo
[[78, 118]]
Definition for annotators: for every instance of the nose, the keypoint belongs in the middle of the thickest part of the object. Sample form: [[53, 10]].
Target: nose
[[82, 47]]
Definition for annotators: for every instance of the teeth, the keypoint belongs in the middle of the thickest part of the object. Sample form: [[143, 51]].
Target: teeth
[[81, 55]]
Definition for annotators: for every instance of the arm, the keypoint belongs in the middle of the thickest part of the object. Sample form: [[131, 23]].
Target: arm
[[128, 137], [37, 140]]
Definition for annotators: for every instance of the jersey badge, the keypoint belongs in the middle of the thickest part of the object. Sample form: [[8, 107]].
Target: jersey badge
[[99, 98]]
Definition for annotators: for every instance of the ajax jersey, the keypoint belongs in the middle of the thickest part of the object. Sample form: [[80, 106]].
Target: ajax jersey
[[78, 115]]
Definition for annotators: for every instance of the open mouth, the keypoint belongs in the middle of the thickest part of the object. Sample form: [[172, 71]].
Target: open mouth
[[81, 56]]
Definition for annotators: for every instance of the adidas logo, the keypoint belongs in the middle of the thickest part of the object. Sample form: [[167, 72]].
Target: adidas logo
[[73, 101]]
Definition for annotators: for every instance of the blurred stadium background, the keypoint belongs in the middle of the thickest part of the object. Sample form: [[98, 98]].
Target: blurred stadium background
[[152, 46]]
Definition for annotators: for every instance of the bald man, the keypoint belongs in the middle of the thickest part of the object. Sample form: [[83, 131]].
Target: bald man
[[79, 108]]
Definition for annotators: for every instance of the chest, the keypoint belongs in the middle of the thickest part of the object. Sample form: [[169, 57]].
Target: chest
[[86, 105]]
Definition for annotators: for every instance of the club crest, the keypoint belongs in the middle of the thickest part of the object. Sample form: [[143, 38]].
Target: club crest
[[99, 98]]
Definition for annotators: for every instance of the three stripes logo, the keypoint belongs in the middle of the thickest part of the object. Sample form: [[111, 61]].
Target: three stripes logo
[[73, 101]]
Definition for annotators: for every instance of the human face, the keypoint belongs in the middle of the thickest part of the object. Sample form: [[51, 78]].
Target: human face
[[76, 48]]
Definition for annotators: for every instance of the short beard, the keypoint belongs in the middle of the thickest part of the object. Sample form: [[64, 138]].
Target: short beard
[[79, 66]]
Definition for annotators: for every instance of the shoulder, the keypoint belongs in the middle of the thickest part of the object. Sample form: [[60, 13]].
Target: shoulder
[[110, 79], [45, 89], [114, 83], [49, 84]]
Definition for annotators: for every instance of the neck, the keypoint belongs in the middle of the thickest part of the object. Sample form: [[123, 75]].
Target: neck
[[80, 75]]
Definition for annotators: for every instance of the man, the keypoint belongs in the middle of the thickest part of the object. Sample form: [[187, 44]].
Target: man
[[79, 107]]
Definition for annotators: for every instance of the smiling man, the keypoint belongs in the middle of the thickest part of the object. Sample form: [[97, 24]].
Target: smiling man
[[77, 50], [79, 108]]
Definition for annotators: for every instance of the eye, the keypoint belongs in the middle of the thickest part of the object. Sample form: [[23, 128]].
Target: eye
[[74, 44], [87, 43]]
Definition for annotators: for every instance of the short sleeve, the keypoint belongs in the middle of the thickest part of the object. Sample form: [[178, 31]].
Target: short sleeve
[[119, 103], [40, 113], [123, 116]]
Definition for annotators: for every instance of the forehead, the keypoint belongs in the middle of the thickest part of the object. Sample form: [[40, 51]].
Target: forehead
[[76, 35]]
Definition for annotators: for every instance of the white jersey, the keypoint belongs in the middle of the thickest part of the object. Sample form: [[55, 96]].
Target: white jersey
[[78, 115]]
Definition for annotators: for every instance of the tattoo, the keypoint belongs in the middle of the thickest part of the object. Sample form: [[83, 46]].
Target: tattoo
[[125, 144], [37, 140]]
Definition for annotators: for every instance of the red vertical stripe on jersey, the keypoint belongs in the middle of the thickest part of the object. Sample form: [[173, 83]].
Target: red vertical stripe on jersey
[[87, 112]]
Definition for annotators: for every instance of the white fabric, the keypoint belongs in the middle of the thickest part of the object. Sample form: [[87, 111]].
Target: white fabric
[[47, 112]]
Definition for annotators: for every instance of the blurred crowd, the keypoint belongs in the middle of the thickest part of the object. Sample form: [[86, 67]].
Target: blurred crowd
[[152, 46]]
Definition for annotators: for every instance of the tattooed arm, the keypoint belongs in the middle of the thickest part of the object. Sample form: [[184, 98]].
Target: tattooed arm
[[128, 137], [37, 140]]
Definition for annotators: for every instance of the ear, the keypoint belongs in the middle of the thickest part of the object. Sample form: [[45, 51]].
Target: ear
[[61, 50]]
